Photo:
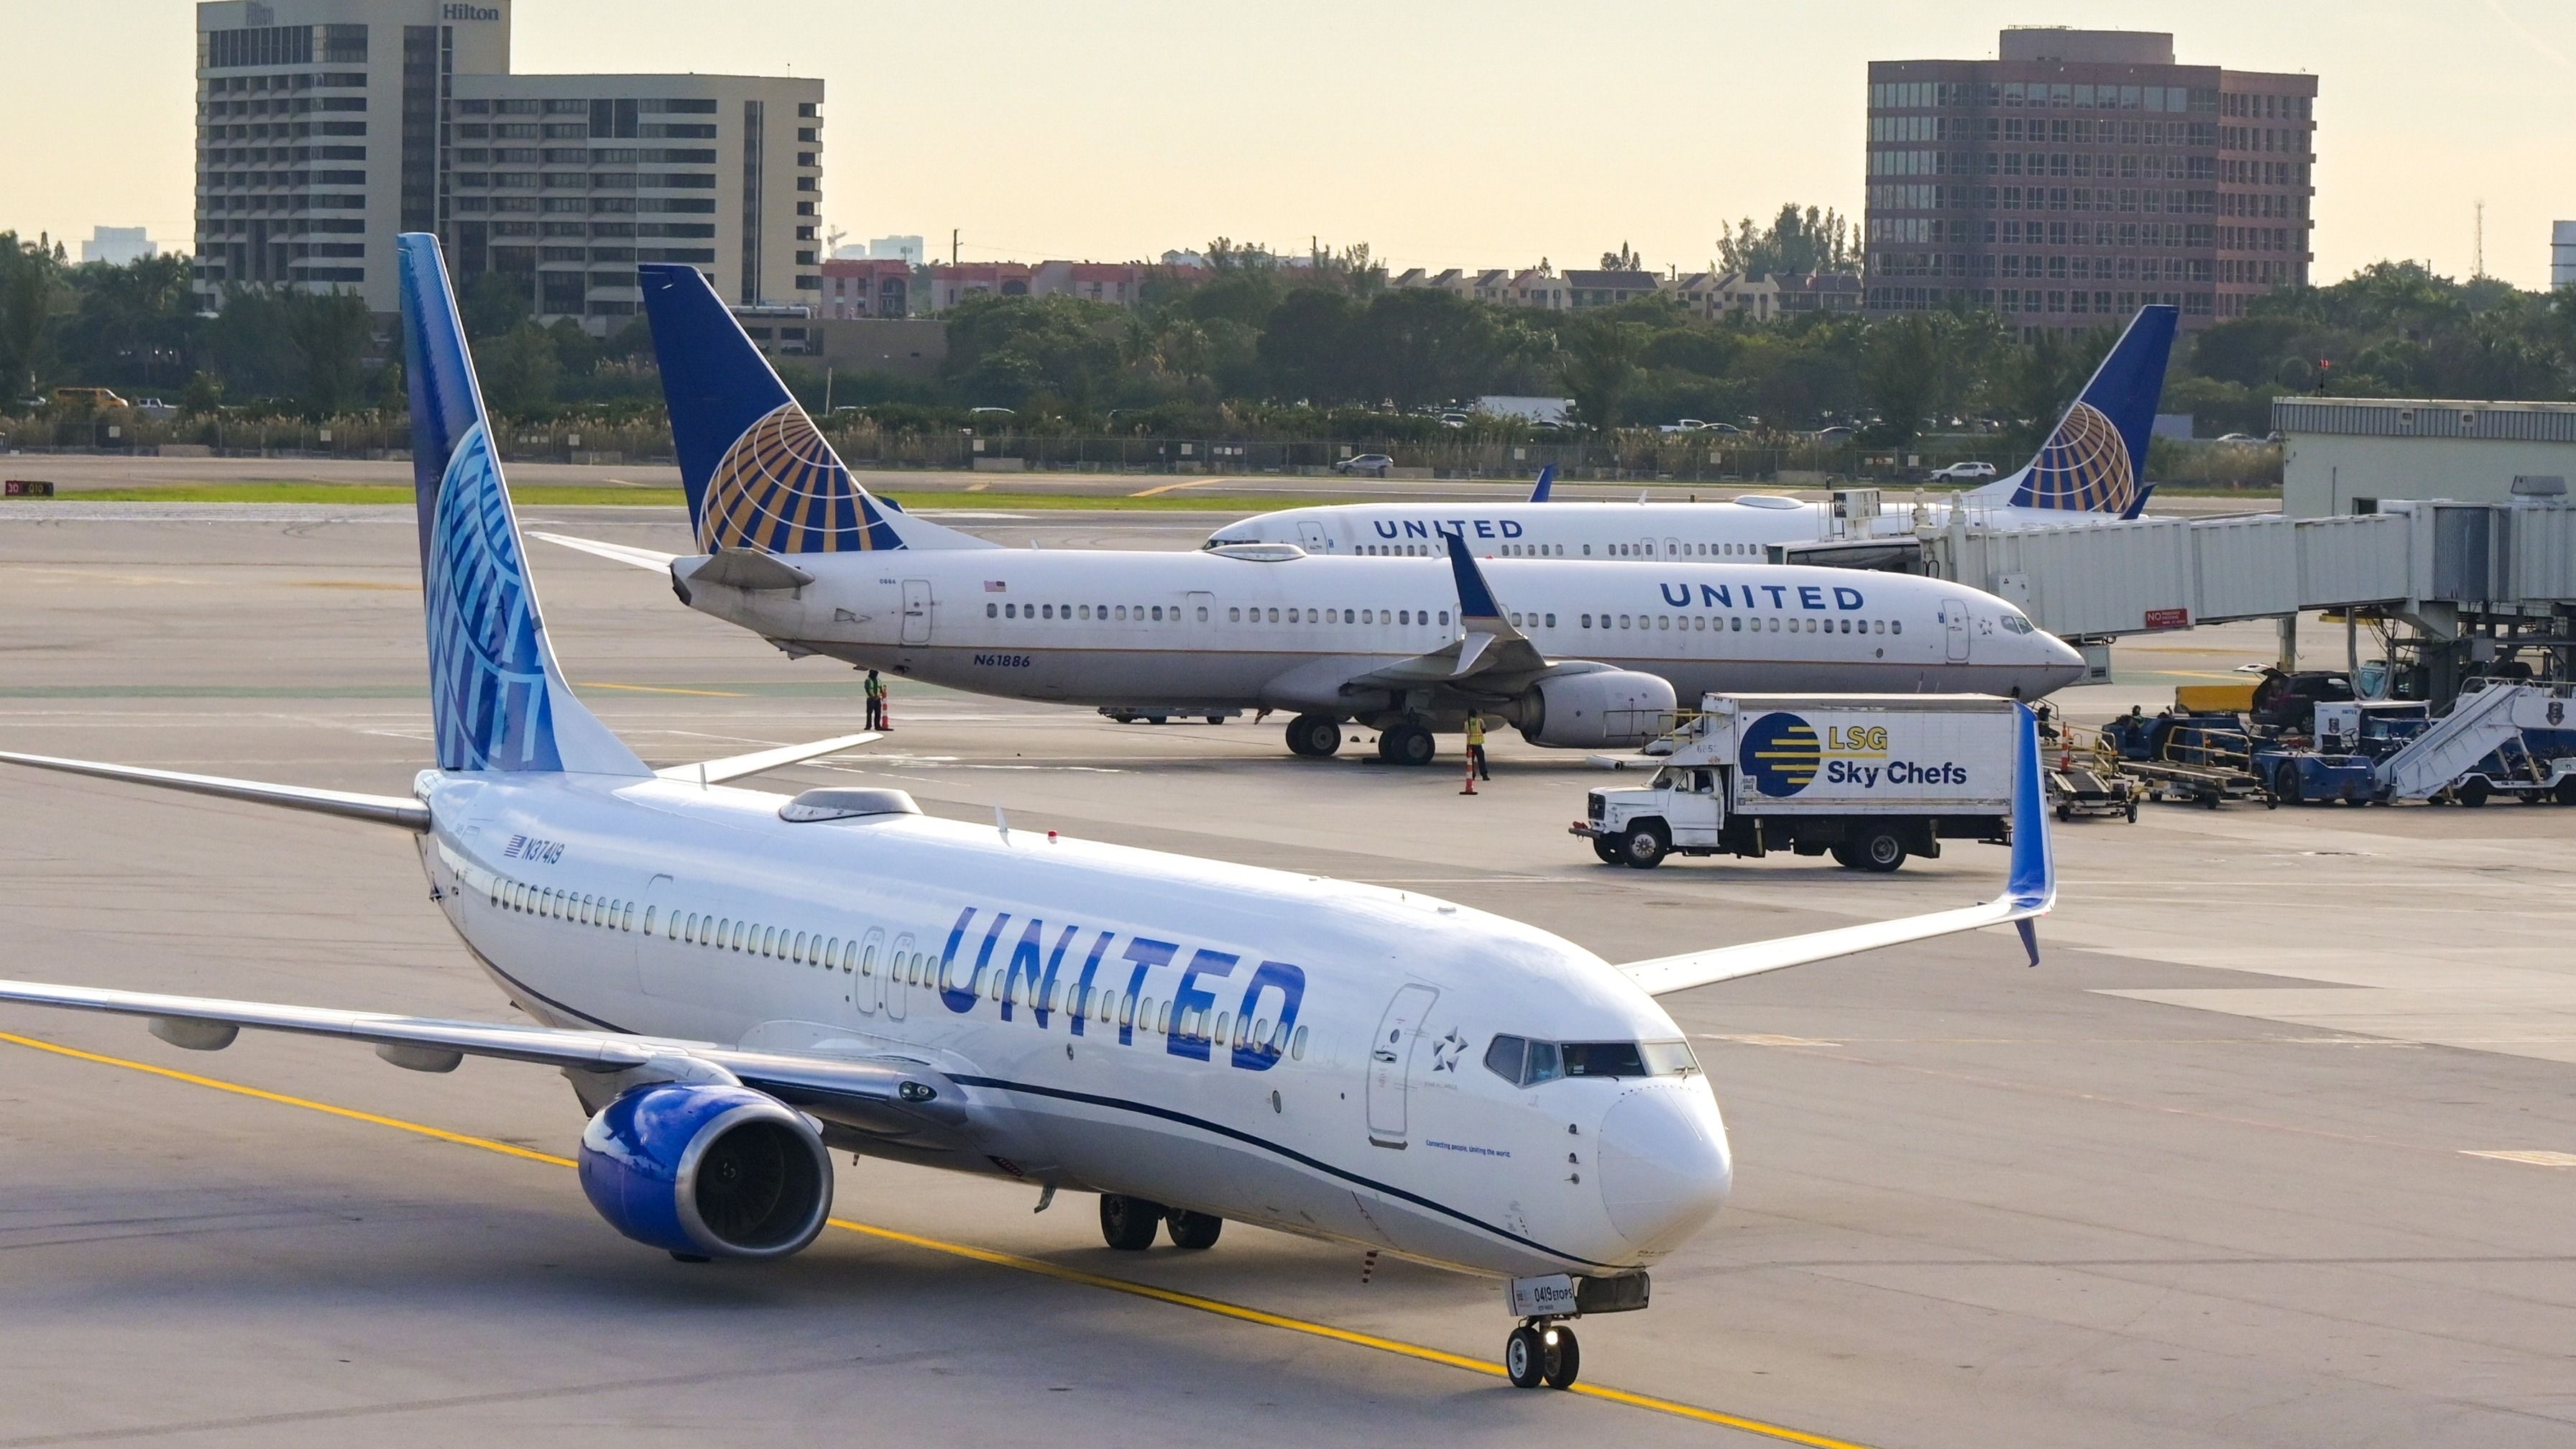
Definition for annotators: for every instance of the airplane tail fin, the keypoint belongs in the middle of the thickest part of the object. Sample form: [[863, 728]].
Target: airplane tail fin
[[1546, 482], [757, 472], [2095, 461], [497, 699]]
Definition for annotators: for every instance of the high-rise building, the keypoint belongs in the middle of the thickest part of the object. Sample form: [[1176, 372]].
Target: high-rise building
[[2082, 174], [325, 127], [2562, 254], [119, 246]]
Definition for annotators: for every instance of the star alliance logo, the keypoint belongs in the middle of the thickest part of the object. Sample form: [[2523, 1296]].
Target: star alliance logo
[[1446, 1052]]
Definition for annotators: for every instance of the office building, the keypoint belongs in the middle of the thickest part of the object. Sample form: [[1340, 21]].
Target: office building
[[2081, 174], [326, 127], [119, 246], [2562, 254]]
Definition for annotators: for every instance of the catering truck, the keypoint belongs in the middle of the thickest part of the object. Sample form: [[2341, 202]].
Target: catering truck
[[1867, 779]]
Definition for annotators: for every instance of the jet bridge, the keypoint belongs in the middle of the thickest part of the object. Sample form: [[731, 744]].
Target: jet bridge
[[2464, 589]]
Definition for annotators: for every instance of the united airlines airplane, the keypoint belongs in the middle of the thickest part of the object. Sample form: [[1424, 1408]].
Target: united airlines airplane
[[1575, 656], [2093, 465], [735, 983]]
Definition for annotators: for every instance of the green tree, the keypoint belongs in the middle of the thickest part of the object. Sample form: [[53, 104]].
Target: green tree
[[1795, 243], [1598, 366], [27, 271], [1623, 260], [494, 303], [1901, 373], [330, 333], [520, 372], [1307, 348]]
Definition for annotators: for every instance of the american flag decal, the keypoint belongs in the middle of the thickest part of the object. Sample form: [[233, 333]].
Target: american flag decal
[[996, 586]]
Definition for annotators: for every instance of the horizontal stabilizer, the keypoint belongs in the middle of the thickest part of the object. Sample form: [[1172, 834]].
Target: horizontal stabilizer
[[642, 558], [399, 810], [735, 767], [2029, 892], [750, 568]]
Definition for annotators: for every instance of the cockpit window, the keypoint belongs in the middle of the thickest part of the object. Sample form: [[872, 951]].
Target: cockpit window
[[2016, 624], [1528, 1063]]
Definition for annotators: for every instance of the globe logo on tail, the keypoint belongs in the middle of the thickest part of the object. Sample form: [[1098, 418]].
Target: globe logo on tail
[[2084, 467], [780, 488], [1780, 754]]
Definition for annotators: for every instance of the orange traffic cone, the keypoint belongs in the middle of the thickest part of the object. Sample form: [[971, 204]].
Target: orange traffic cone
[[1470, 787]]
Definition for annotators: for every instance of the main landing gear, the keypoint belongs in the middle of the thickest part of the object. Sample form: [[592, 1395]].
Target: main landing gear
[[1314, 736], [1128, 1224], [1542, 1351]]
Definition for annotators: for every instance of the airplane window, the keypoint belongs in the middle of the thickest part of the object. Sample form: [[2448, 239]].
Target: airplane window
[[1896, 626], [796, 949], [1203, 614], [1504, 1057], [1010, 611], [1736, 625], [1444, 616], [1623, 621], [1261, 1034], [626, 918], [868, 961], [1224, 1020], [650, 913], [1587, 550], [1297, 1045], [1775, 626], [1551, 621], [1350, 616], [746, 936], [1234, 616], [1122, 611], [1163, 1019], [1274, 616], [1544, 1065], [992, 611], [1586, 621], [1126, 1011], [1664, 621], [1046, 611], [769, 942]]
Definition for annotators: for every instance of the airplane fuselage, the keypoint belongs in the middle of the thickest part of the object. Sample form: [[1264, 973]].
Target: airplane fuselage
[[1741, 530], [1272, 1048], [1214, 631]]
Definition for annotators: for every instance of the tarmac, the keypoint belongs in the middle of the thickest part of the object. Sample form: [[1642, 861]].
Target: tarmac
[[2275, 1147]]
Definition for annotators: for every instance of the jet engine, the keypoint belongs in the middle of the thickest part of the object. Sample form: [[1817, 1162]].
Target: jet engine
[[1603, 707], [707, 1171]]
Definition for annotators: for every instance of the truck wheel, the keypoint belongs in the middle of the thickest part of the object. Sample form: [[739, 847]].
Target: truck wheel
[[1606, 848], [1645, 846], [1314, 736], [2065, 811], [2133, 812], [2473, 792], [1878, 851], [2566, 791], [2285, 785]]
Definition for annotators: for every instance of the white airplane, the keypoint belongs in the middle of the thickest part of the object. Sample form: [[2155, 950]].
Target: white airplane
[[1581, 658], [2093, 464], [735, 982]]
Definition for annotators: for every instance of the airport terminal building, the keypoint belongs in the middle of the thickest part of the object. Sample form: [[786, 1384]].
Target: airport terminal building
[[324, 127], [2081, 175]]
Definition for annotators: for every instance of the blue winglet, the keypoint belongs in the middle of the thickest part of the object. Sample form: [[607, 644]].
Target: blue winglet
[[1546, 481], [2032, 886], [1475, 600]]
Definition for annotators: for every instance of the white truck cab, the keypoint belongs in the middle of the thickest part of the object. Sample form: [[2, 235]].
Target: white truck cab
[[1866, 779]]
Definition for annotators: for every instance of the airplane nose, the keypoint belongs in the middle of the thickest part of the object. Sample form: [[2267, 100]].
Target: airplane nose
[[2062, 662], [1664, 1167]]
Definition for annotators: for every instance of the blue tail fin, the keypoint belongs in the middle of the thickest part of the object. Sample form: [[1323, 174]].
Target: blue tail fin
[[757, 472], [496, 699], [1546, 481], [2096, 459]]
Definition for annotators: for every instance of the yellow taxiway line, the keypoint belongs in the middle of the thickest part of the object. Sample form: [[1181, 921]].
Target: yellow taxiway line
[[1423, 1353], [659, 689]]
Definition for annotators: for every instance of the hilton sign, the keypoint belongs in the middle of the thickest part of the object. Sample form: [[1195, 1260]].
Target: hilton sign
[[470, 12]]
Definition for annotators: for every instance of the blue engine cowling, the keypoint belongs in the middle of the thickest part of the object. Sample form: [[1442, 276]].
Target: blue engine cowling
[[707, 1170]]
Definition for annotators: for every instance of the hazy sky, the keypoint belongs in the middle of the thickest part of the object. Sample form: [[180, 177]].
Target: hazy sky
[[1443, 133]]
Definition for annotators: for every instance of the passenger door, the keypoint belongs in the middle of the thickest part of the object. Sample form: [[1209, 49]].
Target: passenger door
[[1390, 1068], [866, 984], [1954, 630], [1310, 534], [890, 970], [1646, 549], [916, 611]]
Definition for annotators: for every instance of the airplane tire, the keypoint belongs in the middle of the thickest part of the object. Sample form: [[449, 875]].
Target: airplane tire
[[1564, 1359], [1525, 1358], [1407, 744], [1128, 1223], [1194, 1231], [1314, 736]]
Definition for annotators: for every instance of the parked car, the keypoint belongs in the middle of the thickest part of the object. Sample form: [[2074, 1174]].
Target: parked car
[[1965, 472], [1369, 465], [1835, 434], [155, 409], [2241, 439]]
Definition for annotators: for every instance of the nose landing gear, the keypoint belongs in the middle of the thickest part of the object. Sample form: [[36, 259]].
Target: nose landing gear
[[1542, 1351]]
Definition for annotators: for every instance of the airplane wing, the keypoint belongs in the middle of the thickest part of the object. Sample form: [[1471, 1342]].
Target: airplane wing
[[642, 558], [2029, 892], [399, 810], [735, 767], [430, 1044], [1490, 651]]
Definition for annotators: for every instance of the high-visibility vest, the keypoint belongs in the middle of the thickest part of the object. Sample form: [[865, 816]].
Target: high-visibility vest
[[1475, 729]]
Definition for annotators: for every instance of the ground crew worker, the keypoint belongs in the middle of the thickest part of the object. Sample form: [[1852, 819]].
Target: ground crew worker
[[1476, 746], [876, 693]]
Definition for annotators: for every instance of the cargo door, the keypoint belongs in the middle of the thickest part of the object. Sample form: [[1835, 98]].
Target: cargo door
[[1390, 1068], [1954, 630], [916, 611]]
